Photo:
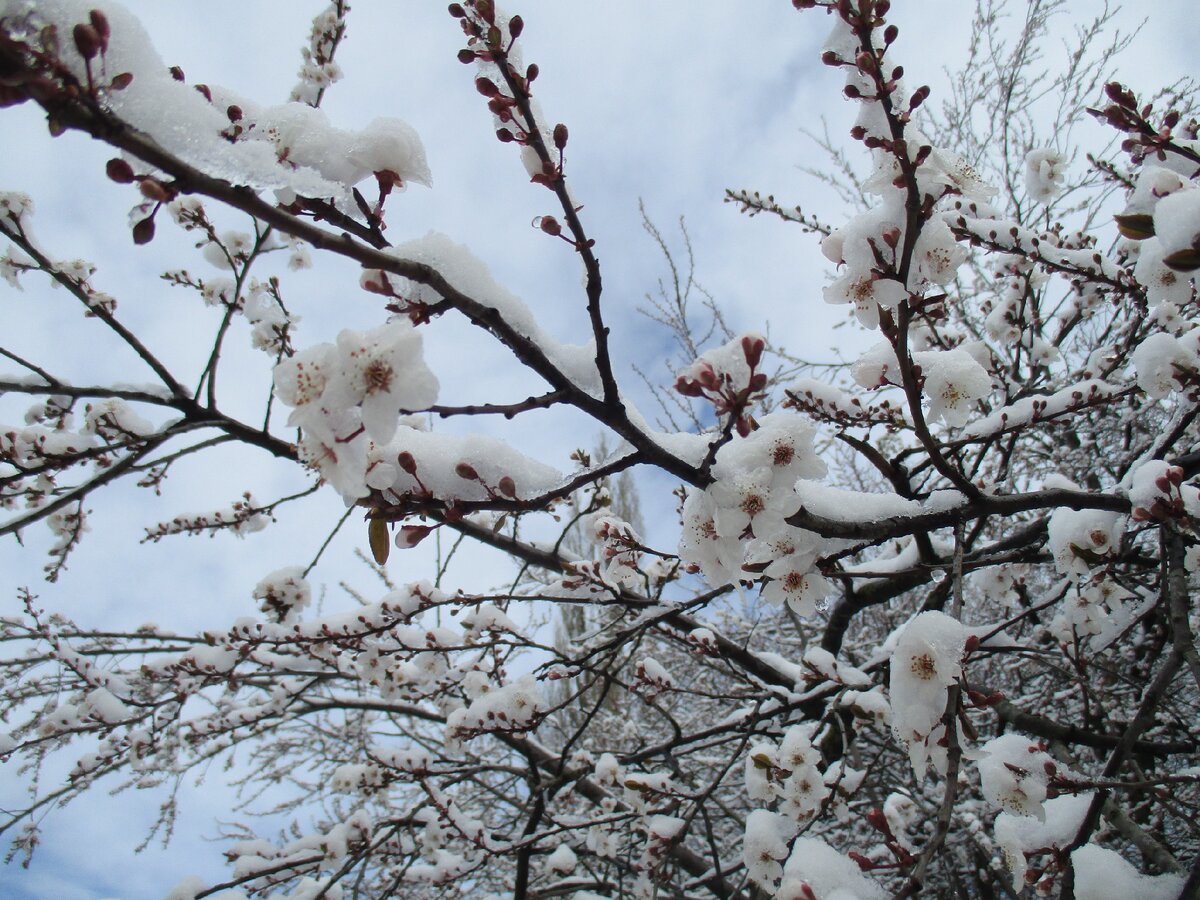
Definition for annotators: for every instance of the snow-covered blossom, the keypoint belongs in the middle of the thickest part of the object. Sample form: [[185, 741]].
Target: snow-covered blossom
[[954, 380], [381, 371], [1163, 284], [1177, 222], [284, 593], [1014, 773], [765, 846], [866, 292], [926, 662], [1102, 873], [1161, 361], [1080, 539], [1044, 174]]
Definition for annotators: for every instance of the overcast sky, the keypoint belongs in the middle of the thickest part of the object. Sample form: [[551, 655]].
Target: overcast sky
[[667, 102]]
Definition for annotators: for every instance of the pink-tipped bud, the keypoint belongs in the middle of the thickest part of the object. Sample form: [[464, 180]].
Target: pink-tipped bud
[[153, 189], [408, 536]]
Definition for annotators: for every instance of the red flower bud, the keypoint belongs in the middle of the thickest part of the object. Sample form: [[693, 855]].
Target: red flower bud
[[143, 231], [877, 820], [466, 56], [457, 11], [119, 171], [467, 471], [550, 225], [486, 87], [507, 486], [100, 23], [87, 40], [406, 462], [122, 81], [532, 72], [752, 349], [515, 26], [177, 73], [560, 136]]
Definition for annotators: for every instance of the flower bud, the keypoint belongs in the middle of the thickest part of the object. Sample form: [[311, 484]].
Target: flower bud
[[752, 349], [409, 536], [550, 225], [560, 136], [143, 231], [119, 171], [100, 23], [466, 471], [515, 26], [87, 40], [153, 189], [507, 486], [406, 462]]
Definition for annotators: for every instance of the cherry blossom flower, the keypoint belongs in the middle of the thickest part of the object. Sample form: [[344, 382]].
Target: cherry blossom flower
[[382, 372], [1044, 174]]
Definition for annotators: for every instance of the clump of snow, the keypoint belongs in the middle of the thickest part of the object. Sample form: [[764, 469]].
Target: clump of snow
[[826, 873], [291, 147], [1103, 874]]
